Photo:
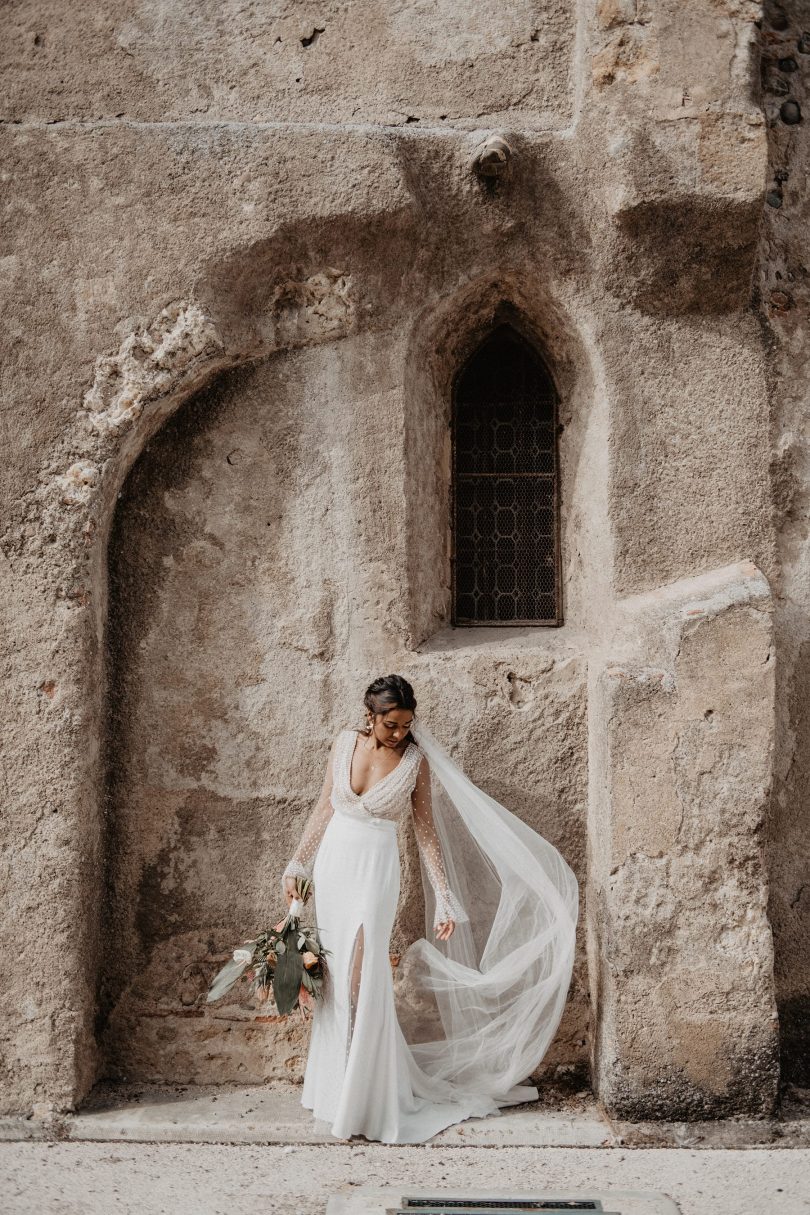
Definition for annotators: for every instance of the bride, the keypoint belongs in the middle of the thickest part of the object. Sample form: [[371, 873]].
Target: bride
[[501, 902]]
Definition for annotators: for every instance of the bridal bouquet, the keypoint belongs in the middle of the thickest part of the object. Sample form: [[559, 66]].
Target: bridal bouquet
[[288, 958]]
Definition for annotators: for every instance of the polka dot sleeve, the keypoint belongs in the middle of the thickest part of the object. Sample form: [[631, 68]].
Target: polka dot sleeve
[[447, 905], [302, 860]]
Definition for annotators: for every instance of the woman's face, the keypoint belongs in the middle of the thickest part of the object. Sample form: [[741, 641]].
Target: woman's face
[[392, 726]]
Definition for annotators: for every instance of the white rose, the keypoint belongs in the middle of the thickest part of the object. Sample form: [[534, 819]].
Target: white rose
[[243, 955]]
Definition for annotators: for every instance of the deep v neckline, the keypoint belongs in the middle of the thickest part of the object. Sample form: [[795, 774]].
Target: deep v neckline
[[377, 783]]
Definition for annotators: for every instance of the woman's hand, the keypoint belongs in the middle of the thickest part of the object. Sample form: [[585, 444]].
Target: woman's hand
[[445, 930], [290, 889]]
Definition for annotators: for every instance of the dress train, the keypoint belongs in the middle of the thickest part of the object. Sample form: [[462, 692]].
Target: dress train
[[496, 988]]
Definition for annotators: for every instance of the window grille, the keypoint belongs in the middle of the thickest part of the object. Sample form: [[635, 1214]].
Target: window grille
[[505, 487]]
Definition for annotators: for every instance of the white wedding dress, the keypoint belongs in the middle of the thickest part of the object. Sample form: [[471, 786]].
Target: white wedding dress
[[488, 985]]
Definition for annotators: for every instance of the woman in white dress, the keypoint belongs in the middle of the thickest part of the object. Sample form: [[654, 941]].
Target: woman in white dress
[[492, 988]]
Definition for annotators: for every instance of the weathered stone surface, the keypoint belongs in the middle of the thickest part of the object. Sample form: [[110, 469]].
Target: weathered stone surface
[[684, 432], [683, 733], [685, 256], [383, 61], [784, 304], [240, 275]]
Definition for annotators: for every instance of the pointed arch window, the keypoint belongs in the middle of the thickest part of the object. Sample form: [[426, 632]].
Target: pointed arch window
[[505, 525]]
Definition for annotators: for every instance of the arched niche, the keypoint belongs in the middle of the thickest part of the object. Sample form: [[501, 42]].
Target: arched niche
[[445, 338], [225, 614]]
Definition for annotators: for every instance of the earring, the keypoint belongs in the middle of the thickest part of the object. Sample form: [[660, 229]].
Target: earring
[[368, 725]]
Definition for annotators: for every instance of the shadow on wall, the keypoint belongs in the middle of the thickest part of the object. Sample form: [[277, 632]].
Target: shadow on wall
[[224, 580], [783, 303]]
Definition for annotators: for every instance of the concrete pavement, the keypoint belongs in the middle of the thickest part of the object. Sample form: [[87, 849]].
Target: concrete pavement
[[222, 1151]]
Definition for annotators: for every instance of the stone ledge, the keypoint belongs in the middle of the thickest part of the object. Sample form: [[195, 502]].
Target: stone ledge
[[560, 641], [274, 1115]]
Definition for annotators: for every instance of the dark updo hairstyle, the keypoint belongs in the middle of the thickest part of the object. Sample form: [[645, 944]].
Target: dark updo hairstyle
[[390, 692]]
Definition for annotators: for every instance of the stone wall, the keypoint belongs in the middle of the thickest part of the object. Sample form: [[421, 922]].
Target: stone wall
[[680, 773], [244, 259], [783, 297]]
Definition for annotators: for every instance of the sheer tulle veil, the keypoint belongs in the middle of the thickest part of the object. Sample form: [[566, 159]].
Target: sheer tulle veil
[[491, 997]]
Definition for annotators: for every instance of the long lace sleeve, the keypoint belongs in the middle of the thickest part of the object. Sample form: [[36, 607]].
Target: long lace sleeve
[[302, 860], [447, 905]]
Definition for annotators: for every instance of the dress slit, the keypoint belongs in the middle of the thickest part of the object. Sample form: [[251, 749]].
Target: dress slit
[[355, 976]]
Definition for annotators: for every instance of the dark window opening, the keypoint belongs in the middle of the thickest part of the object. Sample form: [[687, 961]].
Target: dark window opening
[[505, 487]]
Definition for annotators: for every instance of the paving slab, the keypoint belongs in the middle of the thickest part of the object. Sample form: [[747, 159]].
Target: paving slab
[[369, 1200], [274, 1115], [93, 1178]]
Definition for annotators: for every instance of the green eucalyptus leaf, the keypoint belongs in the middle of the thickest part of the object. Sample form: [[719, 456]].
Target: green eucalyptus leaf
[[287, 980], [225, 979]]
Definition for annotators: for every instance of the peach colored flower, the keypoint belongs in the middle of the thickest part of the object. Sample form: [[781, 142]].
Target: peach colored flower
[[310, 959], [305, 998]]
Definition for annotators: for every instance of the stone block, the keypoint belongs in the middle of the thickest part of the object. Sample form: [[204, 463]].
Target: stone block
[[375, 61], [682, 730]]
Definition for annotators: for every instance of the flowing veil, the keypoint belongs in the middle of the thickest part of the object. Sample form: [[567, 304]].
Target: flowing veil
[[491, 997]]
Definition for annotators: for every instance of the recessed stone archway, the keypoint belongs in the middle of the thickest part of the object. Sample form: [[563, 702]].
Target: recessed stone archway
[[226, 618], [442, 339], [157, 367]]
